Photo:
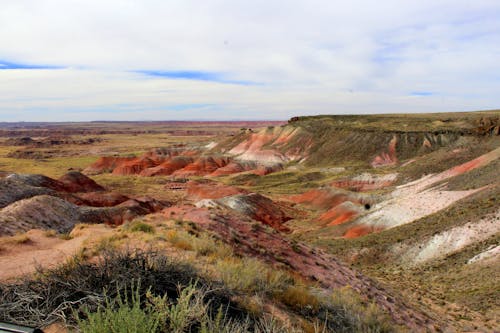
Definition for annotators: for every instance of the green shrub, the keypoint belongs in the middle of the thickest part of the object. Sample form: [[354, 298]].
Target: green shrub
[[121, 315], [138, 226], [251, 276]]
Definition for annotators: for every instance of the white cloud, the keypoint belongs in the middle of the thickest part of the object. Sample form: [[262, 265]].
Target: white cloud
[[307, 56]]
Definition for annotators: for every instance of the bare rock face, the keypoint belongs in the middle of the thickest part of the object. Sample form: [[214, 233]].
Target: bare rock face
[[234, 167], [39, 212], [168, 167], [135, 166], [259, 208], [37, 181], [202, 167], [75, 181], [106, 164], [50, 212], [341, 213], [36, 201], [388, 157], [266, 146], [338, 206], [13, 189], [179, 164]]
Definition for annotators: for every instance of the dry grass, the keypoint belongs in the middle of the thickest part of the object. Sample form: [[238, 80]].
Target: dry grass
[[16, 239]]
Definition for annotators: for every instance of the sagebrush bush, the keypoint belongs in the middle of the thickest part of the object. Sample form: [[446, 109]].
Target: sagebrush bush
[[79, 285], [120, 315], [138, 226]]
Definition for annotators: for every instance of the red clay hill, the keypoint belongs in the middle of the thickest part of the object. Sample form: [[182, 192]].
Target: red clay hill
[[179, 164], [37, 201]]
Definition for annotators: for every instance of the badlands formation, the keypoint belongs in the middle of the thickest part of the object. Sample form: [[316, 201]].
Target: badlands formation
[[401, 209]]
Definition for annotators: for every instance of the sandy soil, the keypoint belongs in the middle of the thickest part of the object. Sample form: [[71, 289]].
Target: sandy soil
[[43, 250]]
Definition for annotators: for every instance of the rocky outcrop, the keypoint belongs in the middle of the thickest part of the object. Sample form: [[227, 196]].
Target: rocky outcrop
[[75, 181], [50, 212], [106, 164], [22, 186], [341, 213], [259, 208], [38, 212], [387, 158], [202, 166], [234, 167], [168, 167], [134, 167], [178, 164], [270, 146], [36, 201], [337, 206]]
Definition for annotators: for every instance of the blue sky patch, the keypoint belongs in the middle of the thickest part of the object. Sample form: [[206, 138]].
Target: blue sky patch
[[194, 75], [5, 65]]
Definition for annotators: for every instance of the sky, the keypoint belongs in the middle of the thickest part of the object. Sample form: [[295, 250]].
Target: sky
[[81, 60]]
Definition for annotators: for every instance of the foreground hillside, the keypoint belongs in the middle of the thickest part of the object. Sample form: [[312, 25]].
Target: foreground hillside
[[327, 223]]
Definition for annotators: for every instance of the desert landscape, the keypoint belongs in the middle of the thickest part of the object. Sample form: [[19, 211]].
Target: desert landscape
[[236, 166], [362, 223]]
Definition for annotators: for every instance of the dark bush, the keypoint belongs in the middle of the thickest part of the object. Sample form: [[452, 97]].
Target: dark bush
[[59, 293]]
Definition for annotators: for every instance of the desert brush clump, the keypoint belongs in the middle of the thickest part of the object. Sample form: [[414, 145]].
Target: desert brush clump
[[190, 312], [70, 291], [251, 276], [139, 226]]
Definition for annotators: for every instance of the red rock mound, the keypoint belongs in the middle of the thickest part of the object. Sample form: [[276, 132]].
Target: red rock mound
[[75, 181], [259, 208], [168, 167], [36, 201], [202, 167], [134, 167], [340, 214], [161, 154], [339, 206], [106, 164], [178, 163], [233, 167]]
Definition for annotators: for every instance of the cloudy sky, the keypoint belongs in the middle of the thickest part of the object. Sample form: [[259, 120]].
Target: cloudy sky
[[261, 59]]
